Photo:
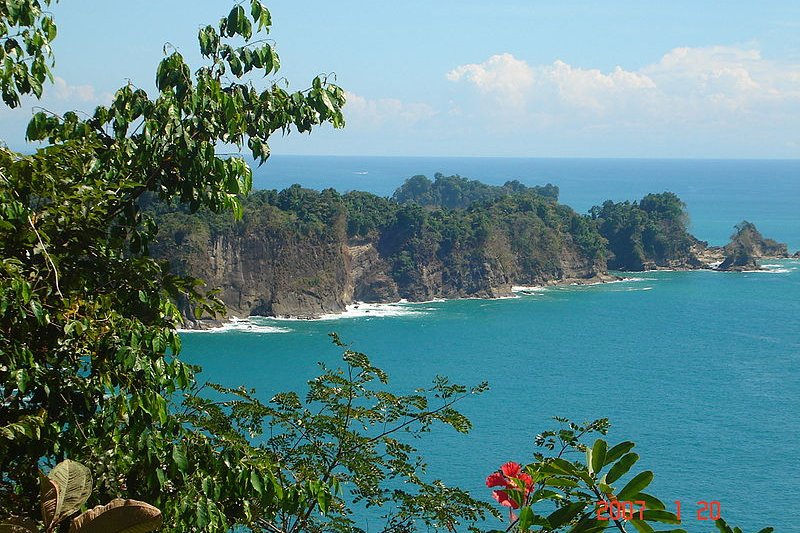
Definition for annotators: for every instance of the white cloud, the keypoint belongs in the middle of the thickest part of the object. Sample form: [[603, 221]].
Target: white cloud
[[503, 75], [361, 112], [591, 88], [719, 84], [725, 79], [62, 90]]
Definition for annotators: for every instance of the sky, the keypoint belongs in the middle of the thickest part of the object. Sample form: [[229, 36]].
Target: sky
[[558, 78]]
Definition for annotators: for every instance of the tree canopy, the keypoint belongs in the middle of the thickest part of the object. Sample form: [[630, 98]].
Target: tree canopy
[[642, 234], [455, 192]]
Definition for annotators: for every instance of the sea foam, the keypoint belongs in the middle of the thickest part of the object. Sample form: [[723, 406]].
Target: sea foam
[[375, 310], [253, 324]]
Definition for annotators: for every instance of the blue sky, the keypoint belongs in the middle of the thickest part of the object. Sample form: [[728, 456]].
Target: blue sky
[[505, 78]]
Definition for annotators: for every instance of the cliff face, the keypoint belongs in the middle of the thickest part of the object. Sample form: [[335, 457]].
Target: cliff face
[[280, 273], [269, 273], [305, 255]]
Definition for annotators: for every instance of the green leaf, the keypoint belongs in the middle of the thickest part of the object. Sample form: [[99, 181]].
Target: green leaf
[[562, 466], [256, 9], [650, 502], [723, 526], [563, 515], [642, 526], [255, 481], [324, 500], [588, 524], [179, 456], [161, 476], [525, 519], [635, 485], [235, 20], [618, 451], [559, 482], [75, 484], [621, 467], [49, 28], [599, 455], [655, 515]]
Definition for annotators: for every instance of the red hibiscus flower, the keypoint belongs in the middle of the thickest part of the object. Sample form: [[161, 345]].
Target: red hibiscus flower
[[496, 479], [517, 484], [528, 481], [511, 469], [503, 499]]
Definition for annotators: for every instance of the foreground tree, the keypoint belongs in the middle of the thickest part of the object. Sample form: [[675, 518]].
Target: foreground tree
[[88, 342], [89, 366]]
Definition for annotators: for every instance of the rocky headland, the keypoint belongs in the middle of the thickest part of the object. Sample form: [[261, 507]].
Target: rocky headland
[[304, 253]]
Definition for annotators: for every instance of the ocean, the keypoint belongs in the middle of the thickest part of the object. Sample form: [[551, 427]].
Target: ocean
[[701, 369]]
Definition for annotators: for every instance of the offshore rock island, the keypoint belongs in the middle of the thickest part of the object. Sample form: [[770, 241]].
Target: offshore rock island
[[304, 253]]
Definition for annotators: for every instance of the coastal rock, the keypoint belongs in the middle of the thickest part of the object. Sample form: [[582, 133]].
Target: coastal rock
[[297, 254], [302, 253], [747, 247], [369, 273]]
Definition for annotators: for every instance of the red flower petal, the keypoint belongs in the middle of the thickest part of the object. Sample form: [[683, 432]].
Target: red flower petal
[[496, 479], [502, 498], [511, 469], [528, 480]]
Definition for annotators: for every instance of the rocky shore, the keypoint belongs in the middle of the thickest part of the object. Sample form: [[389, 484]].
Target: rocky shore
[[747, 249], [306, 254]]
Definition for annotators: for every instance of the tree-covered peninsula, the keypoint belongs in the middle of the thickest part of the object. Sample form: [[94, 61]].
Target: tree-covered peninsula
[[303, 253]]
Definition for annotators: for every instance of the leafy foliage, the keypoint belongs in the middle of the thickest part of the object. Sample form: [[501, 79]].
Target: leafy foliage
[[88, 345], [454, 192], [644, 234], [347, 443], [26, 32]]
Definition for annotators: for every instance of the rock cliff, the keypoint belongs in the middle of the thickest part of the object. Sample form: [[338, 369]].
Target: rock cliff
[[303, 253]]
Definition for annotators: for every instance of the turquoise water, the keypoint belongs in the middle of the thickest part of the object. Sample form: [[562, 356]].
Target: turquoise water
[[701, 369]]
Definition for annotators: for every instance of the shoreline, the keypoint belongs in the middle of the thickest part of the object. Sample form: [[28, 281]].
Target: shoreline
[[405, 307], [383, 309]]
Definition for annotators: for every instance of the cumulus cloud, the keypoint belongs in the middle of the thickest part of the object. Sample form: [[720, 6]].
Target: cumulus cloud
[[373, 113], [728, 79], [590, 88], [686, 84], [503, 75], [62, 90]]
